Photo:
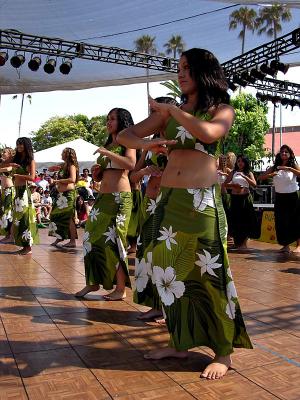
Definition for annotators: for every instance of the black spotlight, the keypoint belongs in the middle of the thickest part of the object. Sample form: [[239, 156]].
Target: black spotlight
[[279, 66], [50, 65], [3, 58], [65, 67], [232, 86], [257, 74], [249, 78], [267, 70], [34, 63], [239, 81], [17, 60], [166, 62], [285, 101]]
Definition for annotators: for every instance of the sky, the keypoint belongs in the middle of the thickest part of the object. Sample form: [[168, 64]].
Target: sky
[[99, 101]]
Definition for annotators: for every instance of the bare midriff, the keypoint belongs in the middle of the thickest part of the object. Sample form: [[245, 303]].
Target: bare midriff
[[6, 182], [189, 169], [153, 187], [115, 180], [64, 187], [19, 181]]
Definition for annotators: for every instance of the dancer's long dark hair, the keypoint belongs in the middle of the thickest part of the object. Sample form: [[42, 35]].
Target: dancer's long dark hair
[[246, 169], [70, 159], [124, 119], [209, 76], [24, 159], [292, 162]]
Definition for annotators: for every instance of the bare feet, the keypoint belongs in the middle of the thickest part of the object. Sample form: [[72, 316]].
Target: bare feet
[[87, 289], [285, 249], [115, 295], [297, 250], [24, 252], [165, 353], [56, 242], [160, 321], [217, 368], [69, 245], [153, 313], [7, 240]]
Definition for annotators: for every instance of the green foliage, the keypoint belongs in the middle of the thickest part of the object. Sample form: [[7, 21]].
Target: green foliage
[[175, 45], [247, 135], [59, 130], [174, 88], [269, 19], [245, 17]]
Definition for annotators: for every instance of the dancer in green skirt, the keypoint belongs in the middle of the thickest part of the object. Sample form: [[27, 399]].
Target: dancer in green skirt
[[7, 195], [104, 241], [62, 225], [187, 257], [24, 217]]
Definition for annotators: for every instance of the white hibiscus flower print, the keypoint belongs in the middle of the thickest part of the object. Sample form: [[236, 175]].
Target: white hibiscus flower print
[[229, 273], [3, 222], [87, 247], [153, 204], [19, 204], [183, 134], [142, 273], [149, 155], [208, 263], [52, 230], [9, 216], [117, 197], [202, 198], [121, 248], [62, 201], [231, 290], [7, 192], [166, 284], [200, 147], [138, 241], [94, 214], [26, 235], [110, 234], [120, 220], [168, 235], [230, 309], [16, 222]]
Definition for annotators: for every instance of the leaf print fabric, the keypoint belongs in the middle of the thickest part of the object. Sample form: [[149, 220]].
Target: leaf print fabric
[[62, 213]]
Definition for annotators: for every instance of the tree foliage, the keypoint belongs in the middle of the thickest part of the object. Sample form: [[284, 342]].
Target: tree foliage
[[59, 130], [175, 45], [174, 88], [246, 17], [269, 19], [247, 135]]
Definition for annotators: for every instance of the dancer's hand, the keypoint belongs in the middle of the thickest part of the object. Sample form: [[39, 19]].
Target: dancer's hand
[[158, 145], [163, 108], [101, 150], [152, 170]]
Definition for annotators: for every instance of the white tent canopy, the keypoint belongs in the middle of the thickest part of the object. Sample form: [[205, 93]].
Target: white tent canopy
[[115, 23], [52, 156]]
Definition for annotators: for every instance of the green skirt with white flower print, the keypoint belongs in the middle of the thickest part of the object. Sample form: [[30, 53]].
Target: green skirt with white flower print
[[137, 200], [189, 264], [6, 209], [62, 213], [104, 241], [24, 218], [145, 292]]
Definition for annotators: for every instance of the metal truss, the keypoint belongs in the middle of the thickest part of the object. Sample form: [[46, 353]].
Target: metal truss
[[275, 86], [54, 47]]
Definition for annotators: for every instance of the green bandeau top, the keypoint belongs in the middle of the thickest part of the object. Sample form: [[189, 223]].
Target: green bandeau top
[[21, 170], [186, 140], [106, 163], [159, 160]]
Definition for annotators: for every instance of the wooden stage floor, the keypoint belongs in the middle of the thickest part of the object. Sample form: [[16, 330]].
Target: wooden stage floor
[[54, 346]]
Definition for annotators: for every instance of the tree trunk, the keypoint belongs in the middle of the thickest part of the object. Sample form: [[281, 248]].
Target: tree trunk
[[21, 113], [148, 93]]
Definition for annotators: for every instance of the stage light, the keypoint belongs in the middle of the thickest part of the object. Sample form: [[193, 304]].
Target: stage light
[[276, 100], [50, 65], [239, 81], [232, 86], [249, 78], [17, 60], [65, 67], [285, 101], [293, 103], [257, 74], [34, 63], [279, 66], [267, 70], [3, 58], [166, 62]]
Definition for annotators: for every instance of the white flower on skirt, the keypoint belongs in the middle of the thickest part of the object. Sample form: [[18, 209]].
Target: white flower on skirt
[[26, 235], [138, 242], [202, 198], [3, 222], [19, 204], [231, 290], [200, 147], [52, 230], [183, 134], [153, 204], [230, 309], [62, 201], [9, 216], [168, 235], [121, 248], [93, 214], [167, 286], [207, 263], [7, 192], [87, 247], [117, 197], [16, 222], [229, 273], [110, 234], [120, 219], [142, 273]]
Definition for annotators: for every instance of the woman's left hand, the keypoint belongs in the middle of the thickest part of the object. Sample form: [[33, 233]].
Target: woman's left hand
[[162, 108], [101, 150]]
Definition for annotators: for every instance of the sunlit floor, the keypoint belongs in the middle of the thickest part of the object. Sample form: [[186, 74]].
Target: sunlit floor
[[54, 346]]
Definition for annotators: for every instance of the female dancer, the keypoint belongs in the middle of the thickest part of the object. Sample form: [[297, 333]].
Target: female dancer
[[62, 224], [188, 259], [244, 223], [104, 241], [7, 195], [287, 199], [24, 218]]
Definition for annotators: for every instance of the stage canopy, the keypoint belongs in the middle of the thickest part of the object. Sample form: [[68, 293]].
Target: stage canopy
[[119, 24]]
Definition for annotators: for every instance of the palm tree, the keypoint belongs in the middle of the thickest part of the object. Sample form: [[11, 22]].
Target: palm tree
[[146, 44], [270, 18], [175, 45], [29, 97], [174, 88], [247, 18]]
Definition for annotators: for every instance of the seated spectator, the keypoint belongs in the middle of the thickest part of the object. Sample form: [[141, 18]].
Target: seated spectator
[[82, 212], [87, 177], [46, 204], [90, 203], [43, 183], [36, 200]]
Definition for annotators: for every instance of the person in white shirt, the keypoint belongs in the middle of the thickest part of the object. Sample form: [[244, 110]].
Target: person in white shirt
[[46, 204], [287, 198], [43, 183]]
